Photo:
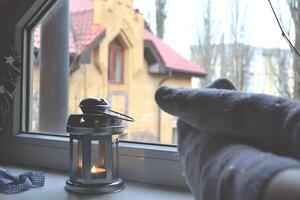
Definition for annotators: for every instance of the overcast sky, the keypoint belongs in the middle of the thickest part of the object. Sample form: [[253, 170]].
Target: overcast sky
[[181, 24]]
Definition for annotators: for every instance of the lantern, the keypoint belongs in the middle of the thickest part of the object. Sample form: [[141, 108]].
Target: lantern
[[93, 166]]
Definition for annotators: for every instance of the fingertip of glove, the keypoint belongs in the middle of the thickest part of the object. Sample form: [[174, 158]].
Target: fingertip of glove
[[222, 83], [162, 94]]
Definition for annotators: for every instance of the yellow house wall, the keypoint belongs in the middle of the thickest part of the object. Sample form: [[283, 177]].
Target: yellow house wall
[[143, 106]]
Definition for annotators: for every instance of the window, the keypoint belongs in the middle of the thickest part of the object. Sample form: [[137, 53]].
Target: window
[[116, 63], [256, 60]]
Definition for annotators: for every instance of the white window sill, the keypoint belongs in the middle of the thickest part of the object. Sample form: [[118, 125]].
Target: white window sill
[[54, 189], [137, 162]]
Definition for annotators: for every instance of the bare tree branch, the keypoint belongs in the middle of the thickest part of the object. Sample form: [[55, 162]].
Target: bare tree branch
[[204, 52], [295, 13]]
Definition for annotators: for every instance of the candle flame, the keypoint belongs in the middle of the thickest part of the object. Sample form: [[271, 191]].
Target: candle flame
[[97, 170], [93, 170]]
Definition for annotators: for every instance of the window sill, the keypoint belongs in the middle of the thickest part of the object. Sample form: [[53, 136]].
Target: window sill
[[54, 189], [143, 163]]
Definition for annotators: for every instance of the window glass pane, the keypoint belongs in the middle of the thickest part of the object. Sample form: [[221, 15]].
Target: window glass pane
[[118, 66], [77, 157], [235, 39], [110, 64]]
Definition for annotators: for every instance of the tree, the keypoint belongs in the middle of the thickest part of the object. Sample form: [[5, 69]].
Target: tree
[[280, 62], [281, 72], [295, 13], [228, 56], [161, 15], [204, 52], [222, 52], [241, 53]]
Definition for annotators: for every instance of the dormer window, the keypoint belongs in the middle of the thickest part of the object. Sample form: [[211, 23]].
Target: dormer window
[[116, 63]]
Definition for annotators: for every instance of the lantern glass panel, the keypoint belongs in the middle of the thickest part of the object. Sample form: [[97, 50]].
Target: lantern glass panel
[[76, 159], [98, 159], [115, 156]]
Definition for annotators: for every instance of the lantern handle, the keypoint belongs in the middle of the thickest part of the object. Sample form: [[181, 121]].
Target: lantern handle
[[121, 116]]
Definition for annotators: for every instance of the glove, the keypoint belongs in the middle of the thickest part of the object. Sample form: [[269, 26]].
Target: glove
[[218, 164], [267, 122]]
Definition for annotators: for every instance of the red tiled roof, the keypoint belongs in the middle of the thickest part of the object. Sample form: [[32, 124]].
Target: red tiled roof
[[171, 59], [83, 31], [81, 5]]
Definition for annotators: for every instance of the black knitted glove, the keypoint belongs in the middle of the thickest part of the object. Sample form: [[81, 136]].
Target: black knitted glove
[[267, 122], [218, 167]]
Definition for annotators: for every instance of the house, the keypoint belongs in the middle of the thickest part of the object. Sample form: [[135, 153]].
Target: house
[[116, 57]]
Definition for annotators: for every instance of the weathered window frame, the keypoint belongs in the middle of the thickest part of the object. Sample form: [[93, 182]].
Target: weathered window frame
[[113, 50]]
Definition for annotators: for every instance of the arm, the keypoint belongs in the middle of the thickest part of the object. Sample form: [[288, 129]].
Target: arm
[[222, 168], [216, 126]]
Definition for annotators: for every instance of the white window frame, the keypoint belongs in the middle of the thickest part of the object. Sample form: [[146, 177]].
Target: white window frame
[[147, 163]]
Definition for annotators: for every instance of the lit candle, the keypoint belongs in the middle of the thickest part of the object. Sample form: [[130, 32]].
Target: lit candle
[[97, 170]]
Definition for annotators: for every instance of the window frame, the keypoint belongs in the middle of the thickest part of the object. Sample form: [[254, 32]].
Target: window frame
[[140, 162]]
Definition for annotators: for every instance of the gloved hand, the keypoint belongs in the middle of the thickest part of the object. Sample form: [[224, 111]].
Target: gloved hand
[[267, 122], [215, 126]]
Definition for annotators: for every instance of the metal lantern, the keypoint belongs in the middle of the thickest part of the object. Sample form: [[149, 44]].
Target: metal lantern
[[94, 159]]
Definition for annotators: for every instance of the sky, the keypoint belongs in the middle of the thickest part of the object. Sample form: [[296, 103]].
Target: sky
[[181, 24]]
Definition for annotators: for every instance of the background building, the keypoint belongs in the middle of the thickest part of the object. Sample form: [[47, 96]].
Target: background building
[[113, 55]]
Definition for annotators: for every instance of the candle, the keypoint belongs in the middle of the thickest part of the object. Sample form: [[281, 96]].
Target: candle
[[95, 170]]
